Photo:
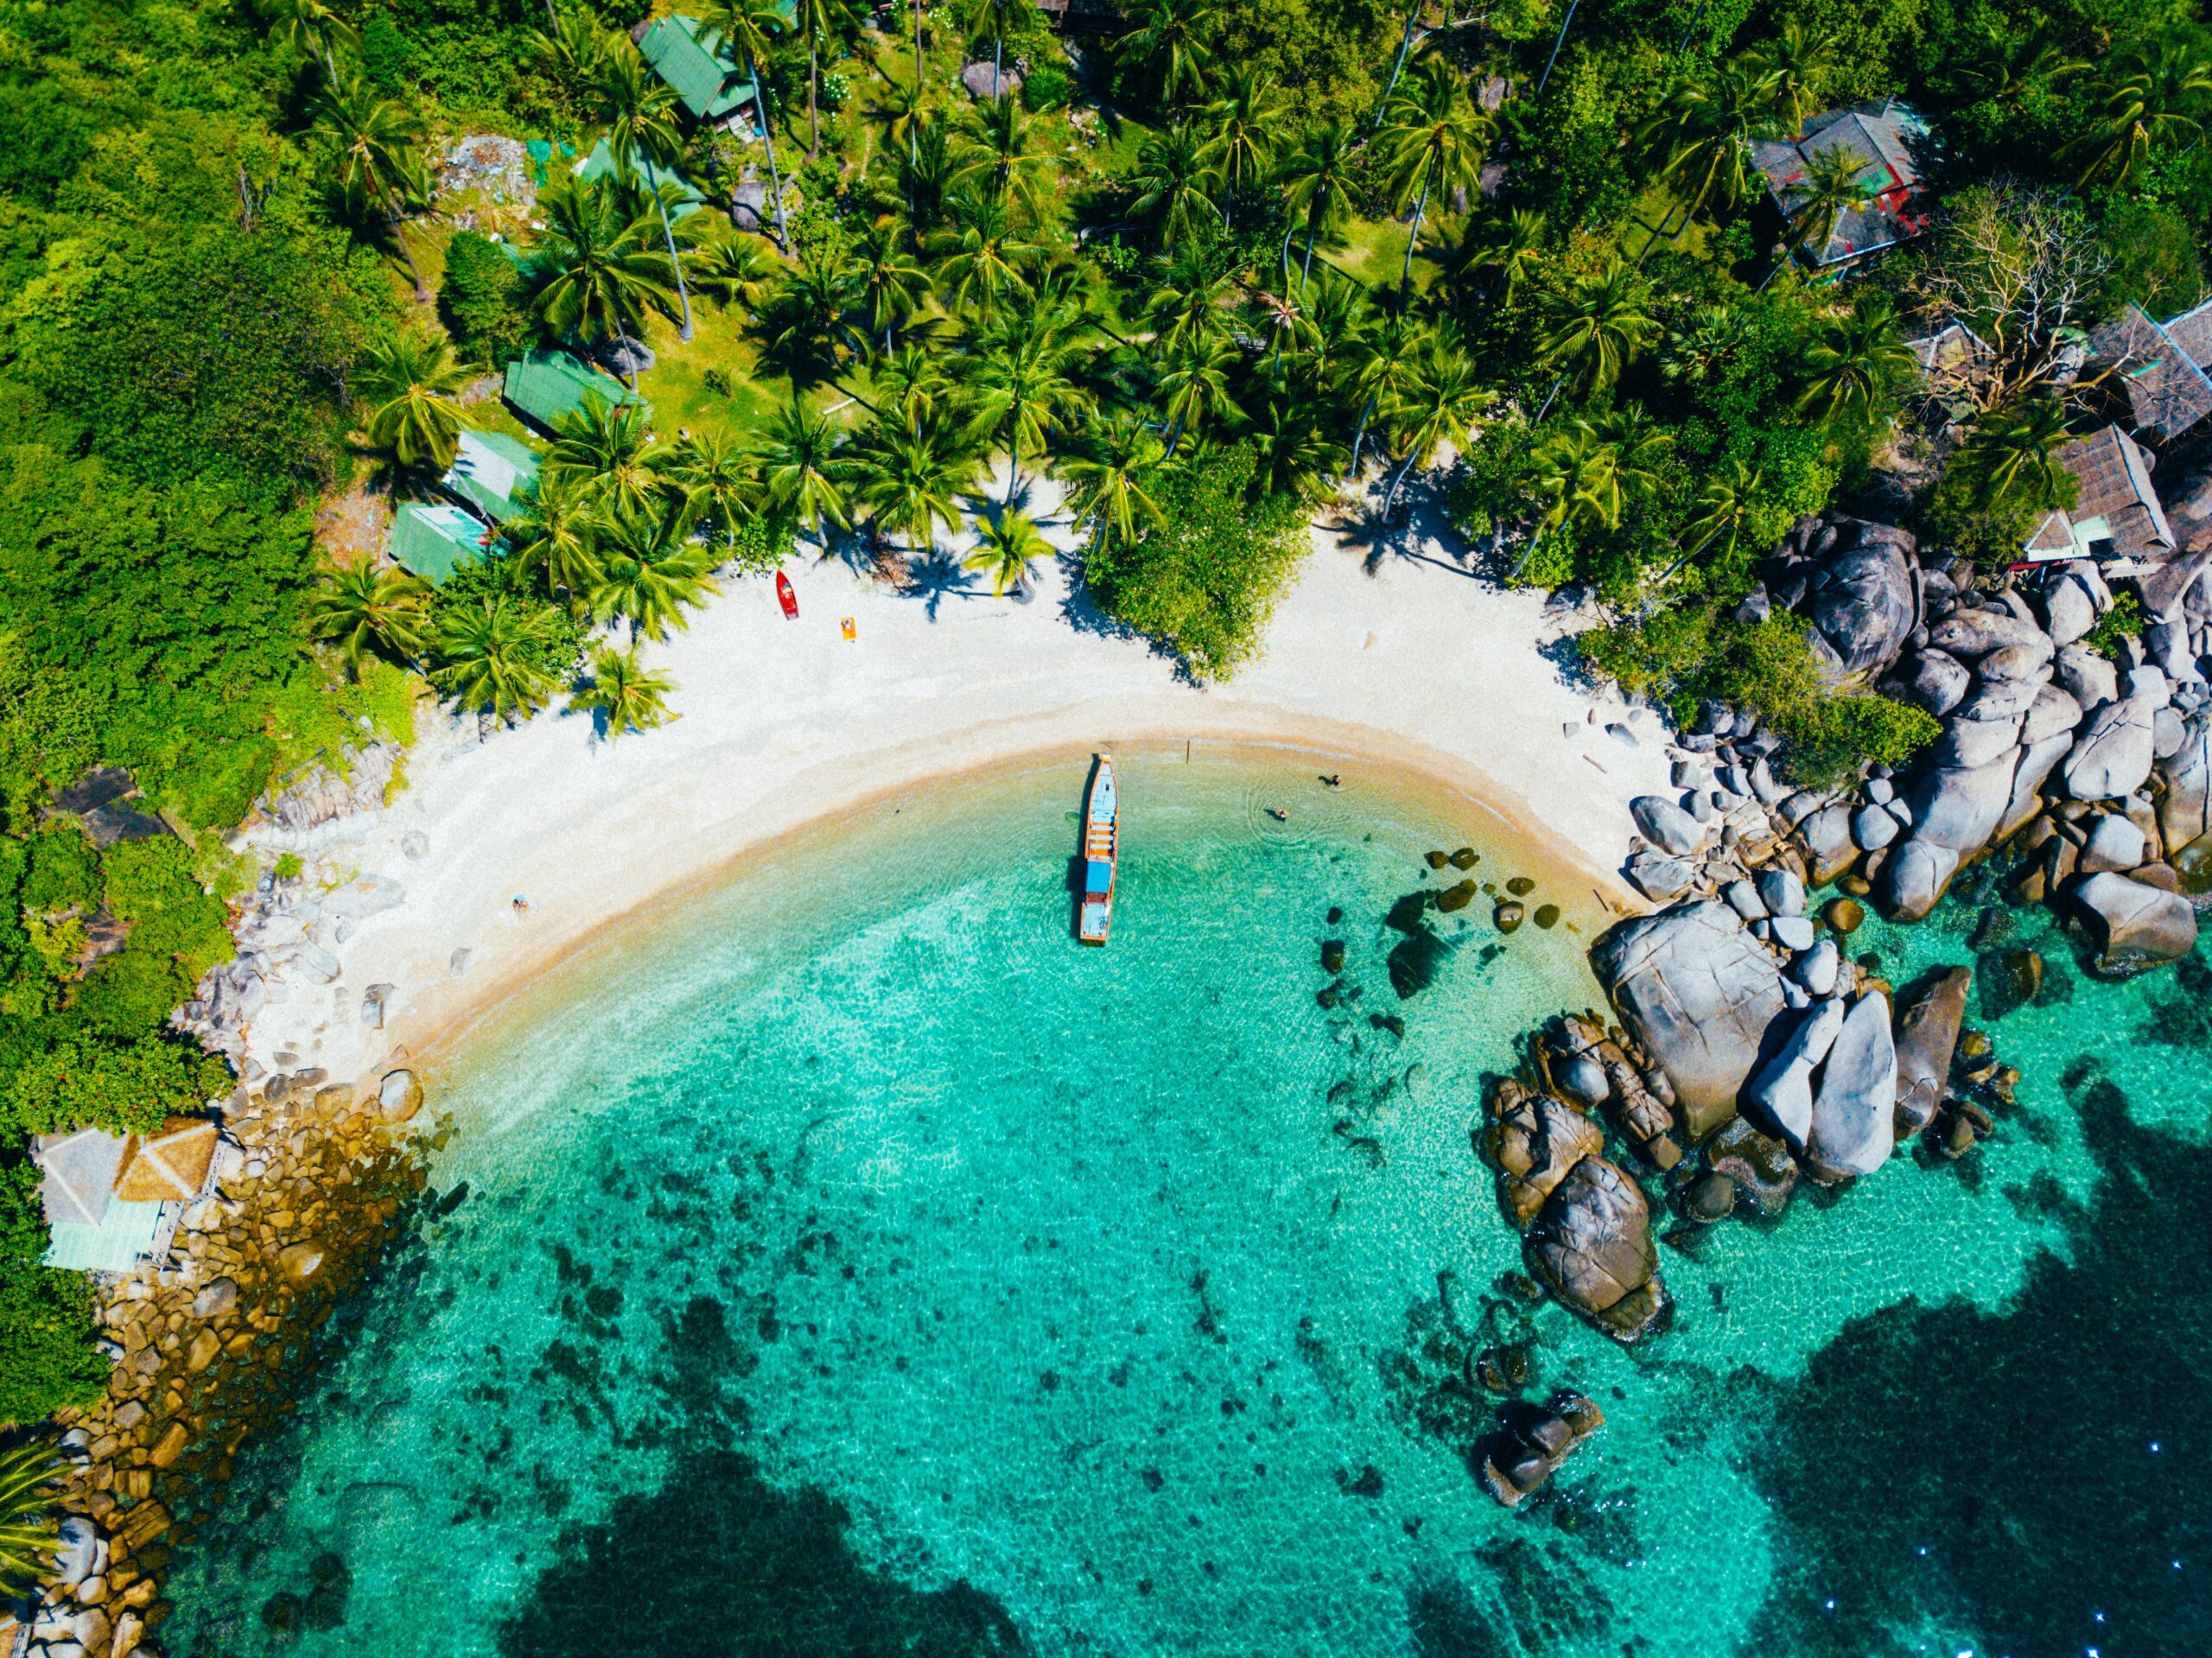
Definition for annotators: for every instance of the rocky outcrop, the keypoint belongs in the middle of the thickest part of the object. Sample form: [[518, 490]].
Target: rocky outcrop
[[1697, 994], [1858, 583], [1854, 1108], [2133, 926], [1533, 1440], [1781, 1096], [1926, 1036], [1591, 1247], [1533, 1142], [2112, 755]]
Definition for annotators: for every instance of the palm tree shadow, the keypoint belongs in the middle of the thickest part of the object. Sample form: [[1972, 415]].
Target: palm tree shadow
[[853, 549], [1080, 611], [937, 577], [1407, 534]]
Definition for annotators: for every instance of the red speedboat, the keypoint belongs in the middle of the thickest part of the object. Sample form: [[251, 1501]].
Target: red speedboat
[[785, 597]]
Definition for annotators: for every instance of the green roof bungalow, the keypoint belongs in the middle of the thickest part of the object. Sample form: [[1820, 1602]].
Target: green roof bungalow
[[601, 164], [546, 387], [492, 471], [690, 55], [434, 539]]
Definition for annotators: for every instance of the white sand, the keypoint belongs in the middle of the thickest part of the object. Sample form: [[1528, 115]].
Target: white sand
[[782, 722]]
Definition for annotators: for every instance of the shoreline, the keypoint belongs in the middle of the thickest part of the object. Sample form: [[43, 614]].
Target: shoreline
[[783, 726]]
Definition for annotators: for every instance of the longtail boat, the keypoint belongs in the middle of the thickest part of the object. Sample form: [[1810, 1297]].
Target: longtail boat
[[1101, 852]]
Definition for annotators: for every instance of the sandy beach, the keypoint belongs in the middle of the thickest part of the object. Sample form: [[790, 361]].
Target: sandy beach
[[1404, 660]]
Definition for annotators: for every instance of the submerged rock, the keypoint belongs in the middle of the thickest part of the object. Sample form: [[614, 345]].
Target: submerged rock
[[1415, 962], [1532, 1441], [1759, 1165], [1591, 1248], [1532, 1141], [2134, 925], [1927, 1037]]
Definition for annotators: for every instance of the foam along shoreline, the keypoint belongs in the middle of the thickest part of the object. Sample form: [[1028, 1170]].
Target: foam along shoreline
[[1418, 666]]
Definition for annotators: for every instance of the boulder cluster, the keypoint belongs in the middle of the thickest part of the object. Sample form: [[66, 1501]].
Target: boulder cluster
[[1532, 1440]]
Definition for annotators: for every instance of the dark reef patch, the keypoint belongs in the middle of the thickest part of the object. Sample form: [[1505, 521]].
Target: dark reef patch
[[715, 1564], [2033, 1480]]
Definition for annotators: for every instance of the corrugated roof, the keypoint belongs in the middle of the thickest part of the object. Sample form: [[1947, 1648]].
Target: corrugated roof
[[490, 471], [2167, 390], [126, 1235], [1881, 136], [80, 1171], [601, 164], [434, 539], [548, 386], [2115, 504], [690, 57]]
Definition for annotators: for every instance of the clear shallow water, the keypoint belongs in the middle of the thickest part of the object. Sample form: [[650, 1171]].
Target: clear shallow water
[[851, 1264]]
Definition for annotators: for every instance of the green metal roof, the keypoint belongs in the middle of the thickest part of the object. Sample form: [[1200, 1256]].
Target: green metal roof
[[690, 57], [491, 471], [548, 386], [434, 540], [601, 164], [126, 1236]]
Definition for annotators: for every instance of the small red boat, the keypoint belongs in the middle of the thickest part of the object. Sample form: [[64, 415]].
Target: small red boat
[[785, 597]]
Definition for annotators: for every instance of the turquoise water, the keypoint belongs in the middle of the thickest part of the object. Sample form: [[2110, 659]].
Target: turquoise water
[[849, 1263]]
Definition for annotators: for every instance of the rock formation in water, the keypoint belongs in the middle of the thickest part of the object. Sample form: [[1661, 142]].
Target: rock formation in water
[[1533, 1440]]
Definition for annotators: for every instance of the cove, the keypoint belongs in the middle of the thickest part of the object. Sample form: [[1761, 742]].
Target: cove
[[849, 1263]]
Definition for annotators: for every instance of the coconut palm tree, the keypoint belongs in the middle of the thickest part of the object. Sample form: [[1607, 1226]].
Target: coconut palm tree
[[731, 266], [1577, 478], [1432, 140], [1106, 473], [1380, 359], [2012, 454], [1174, 39], [1836, 182], [1641, 451], [608, 456], [605, 272], [816, 18], [1297, 456], [556, 536], [800, 458], [651, 571], [1002, 156], [1005, 551], [379, 155], [1188, 298], [492, 655], [623, 693], [1705, 130], [1315, 180], [1792, 71], [359, 608], [907, 474], [1025, 378], [750, 27], [1512, 249], [1725, 514], [1435, 406], [2155, 97], [1194, 384], [717, 479], [1285, 319], [573, 51], [639, 109], [809, 320], [996, 18], [1174, 186], [1602, 324], [312, 29], [892, 282], [911, 381], [1857, 361], [1246, 118], [983, 260], [409, 382], [29, 1506]]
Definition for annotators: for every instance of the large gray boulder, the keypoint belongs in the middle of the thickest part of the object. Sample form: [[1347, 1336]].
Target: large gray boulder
[[1864, 598], [1927, 1037], [2037, 761], [2113, 754], [2133, 926], [2053, 711], [2089, 678], [1698, 994], [1666, 825], [1591, 1248], [1960, 806], [1934, 679], [1968, 745], [1914, 876], [1780, 1098], [1854, 1108], [1826, 835], [1972, 634], [2068, 611], [2185, 810]]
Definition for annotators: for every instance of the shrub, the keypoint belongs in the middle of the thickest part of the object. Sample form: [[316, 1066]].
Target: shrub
[[1048, 88], [482, 299], [2123, 621]]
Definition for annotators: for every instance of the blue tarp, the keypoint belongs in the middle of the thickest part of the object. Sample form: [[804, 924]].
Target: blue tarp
[[1096, 876]]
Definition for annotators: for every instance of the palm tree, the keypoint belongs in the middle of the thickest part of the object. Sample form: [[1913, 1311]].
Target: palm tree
[[2012, 65], [996, 18], [492, 656], [1297, 457], [1512, 249], [1001, 152], [1577, 479], [1006, 549], [1856, 361], [893, 283], [1705, 129], [28, 1505], [361, 608], [607, 455], [312, 29], [409, 380], [556, 536], [2011, 455], [1106, 474], [808, 322], [1432, 140], [1285, 319], [815, 19], [379, 155], [911, 381], [651, 571], [606, 271], [802, 467], [907, 471], [750, 27], [732, 266], [1836, 182], [1188, 295], [1245, 117], [1315, 180], [1026, 376], [1380, 359], [573, 53], [1602, 324], [1436, 405], [1792, 71], [1174, 185], [640, 109], [2155, 97], [1194, 384], [1641, 449], [717, 479], [1174, 37], [1725, 512], [982, 259], [623, 693]]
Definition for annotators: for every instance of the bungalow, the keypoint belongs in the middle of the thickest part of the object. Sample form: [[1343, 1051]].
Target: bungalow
[[2116, 514], [1883, 138], [2160, 367], [491, 473], [599, 164], [546, 387], [113, 1200], [432, 539], [707, 77]]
